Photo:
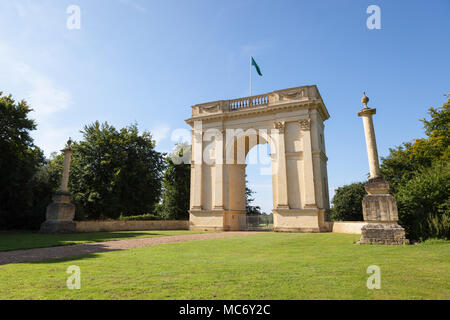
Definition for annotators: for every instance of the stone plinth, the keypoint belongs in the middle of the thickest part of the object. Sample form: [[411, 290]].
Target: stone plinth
[[380, 213], [378, 204], [383, 233], [60, 214]]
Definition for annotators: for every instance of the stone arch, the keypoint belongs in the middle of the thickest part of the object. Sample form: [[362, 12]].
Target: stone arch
[[291, 122]]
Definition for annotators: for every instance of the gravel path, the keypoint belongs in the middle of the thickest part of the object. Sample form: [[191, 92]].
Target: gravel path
[[39, 254]]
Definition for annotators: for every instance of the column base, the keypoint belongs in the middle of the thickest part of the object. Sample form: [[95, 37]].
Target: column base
[[206, 220], [234, 220], [383, 233], [308, 220], [59, 215], [58, 227]]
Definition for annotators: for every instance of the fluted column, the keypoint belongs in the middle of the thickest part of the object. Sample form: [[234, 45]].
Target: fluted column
[[197, 167], [218, 185], [281, 174], [308, 165]]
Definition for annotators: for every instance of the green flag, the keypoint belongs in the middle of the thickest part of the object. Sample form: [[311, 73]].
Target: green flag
[[256, 67]]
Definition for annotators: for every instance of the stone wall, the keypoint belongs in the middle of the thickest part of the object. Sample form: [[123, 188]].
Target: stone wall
[[351, 227], [108, 226]]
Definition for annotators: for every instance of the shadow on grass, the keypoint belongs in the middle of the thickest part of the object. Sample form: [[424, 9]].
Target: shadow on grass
[[19, 240], [55, 254]]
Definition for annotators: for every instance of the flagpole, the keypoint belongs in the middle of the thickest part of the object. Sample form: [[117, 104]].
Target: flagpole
[[250, 76]]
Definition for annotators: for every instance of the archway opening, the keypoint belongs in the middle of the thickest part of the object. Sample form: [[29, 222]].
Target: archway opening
[[259, 188]]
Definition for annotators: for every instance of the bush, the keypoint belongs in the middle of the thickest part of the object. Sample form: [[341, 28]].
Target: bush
[[424, 204], [347, 203], [147, 216]]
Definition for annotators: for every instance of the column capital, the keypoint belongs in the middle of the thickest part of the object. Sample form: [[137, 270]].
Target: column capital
[[367, 112], [305, 125], [280, 125]]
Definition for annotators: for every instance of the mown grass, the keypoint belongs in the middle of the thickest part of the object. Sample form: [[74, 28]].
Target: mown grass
[[260, 266], [16, 240]]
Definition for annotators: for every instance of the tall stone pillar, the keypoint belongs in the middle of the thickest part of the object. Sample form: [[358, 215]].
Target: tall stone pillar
[[308, 166], [196, 167], [60, 213], [281, 174], [379, 207]]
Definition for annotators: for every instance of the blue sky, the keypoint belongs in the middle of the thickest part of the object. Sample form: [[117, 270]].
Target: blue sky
[[149, 61]]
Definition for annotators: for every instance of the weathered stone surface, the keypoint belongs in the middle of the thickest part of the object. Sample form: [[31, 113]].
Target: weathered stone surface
[[139, 225], [58, 227], [383, 233], [377, 186], [60, 212], [379, 207], [59, 216]]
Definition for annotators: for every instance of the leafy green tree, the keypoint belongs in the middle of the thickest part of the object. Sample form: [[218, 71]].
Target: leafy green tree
[[418, 175], [20, 159], [403, 162], [347, 203], [424, 203], [176, 184], [114, 172]]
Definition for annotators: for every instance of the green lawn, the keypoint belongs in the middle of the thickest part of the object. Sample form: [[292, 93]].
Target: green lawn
[[260, 266], [15, 240]]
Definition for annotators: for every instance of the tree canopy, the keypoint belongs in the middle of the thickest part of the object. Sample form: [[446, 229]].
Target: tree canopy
[[176, 184], [115, 172], [19, 161]]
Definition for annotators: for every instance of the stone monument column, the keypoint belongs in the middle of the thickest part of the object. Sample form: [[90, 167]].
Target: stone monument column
[[379, 207], [60, 213]]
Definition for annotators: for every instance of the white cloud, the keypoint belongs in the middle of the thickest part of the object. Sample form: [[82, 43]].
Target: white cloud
[[45, 98], [134, 4], [30, 84], [160, 132]]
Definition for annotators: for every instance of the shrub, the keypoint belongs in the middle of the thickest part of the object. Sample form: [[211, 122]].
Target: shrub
[[424, 204], [147, 216], [347, 203]]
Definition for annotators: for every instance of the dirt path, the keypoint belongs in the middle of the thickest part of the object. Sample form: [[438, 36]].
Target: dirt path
[[39, 254]]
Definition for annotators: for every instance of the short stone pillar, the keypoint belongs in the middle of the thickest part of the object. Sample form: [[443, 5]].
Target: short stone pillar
[[379, 207], [60, 213]]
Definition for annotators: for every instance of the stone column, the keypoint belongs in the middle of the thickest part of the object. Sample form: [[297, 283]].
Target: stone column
[[282, 193], [379, 207], [219, 161], [196, 167], [371, 143], [308, 165], [60, 213], [65, 176]]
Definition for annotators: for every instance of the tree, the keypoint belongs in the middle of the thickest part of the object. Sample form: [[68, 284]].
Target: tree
[[418, 175], [114, 172], [424, 203], [20, 159], [403, 162], [347, 203], [251, 210], [176, 184]]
